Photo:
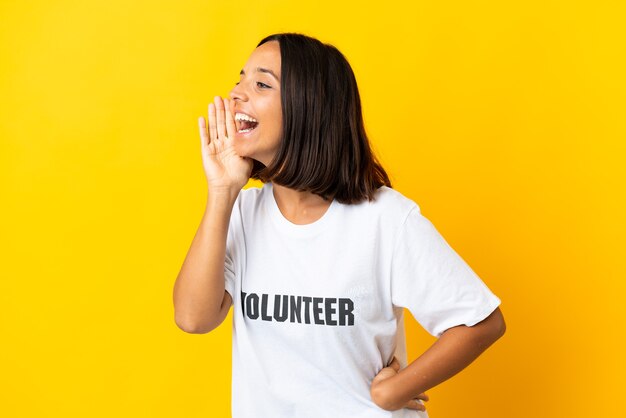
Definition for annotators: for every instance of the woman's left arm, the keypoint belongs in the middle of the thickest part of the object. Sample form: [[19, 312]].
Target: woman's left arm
[[456, 348]]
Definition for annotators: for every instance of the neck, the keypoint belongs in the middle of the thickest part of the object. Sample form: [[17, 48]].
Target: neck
[[295, 198], [299, 207]]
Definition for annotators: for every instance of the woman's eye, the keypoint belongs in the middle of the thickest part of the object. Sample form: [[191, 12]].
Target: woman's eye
[[262, 85], [237, 83]]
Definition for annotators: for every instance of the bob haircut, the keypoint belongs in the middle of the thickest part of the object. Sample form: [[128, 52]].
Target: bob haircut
[[324, 149]]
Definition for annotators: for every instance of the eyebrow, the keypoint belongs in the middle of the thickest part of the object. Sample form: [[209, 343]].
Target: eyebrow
[[263, 70]]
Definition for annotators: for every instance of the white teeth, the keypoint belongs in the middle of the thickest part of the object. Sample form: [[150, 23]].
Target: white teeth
[[243, 116], [243, 131]]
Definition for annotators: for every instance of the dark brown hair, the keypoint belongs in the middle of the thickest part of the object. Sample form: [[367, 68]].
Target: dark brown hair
[[324, 149]]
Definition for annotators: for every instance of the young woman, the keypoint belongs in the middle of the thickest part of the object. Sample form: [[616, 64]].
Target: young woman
[[319, 263]]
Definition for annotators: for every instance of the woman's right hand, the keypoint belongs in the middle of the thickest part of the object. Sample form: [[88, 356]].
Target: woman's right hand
[[224, 169]]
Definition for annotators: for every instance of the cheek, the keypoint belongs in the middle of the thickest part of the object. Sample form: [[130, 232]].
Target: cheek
[[278, 122], [277, 110], [277, 130]]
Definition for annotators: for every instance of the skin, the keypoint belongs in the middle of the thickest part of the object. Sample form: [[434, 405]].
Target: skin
[[227, 158], [258, 94], [456, 349]]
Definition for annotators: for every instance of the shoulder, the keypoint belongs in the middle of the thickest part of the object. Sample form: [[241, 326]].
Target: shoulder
[[250, 196], [394, 203], [247, 203], [388, 209]]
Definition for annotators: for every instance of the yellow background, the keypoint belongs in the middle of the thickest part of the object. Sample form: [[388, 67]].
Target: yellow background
[[504, 121]]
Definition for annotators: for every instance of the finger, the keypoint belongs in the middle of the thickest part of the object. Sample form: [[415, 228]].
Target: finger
[[231, 128], [395, 364], [416, 405], [221, 128], [384, 373], [423, 396], [212, 127], [204, 134]]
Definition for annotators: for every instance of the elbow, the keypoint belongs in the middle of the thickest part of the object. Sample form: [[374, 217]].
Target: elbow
[[193, 327], [193, 322]]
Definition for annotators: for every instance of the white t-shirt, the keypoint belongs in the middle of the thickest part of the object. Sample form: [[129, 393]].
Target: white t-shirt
[[318, 308]]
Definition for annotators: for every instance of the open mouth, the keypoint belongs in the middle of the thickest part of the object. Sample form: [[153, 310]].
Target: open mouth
[[245, 123]]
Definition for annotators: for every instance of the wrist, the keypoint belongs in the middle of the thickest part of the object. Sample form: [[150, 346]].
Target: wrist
[[221, 195], [384, 394]]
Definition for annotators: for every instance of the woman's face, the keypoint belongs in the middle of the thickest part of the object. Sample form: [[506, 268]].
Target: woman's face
[[257, 95]]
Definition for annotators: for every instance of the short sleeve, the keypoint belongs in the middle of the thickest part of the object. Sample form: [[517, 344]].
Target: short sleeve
[[433, 282], [229, 272]]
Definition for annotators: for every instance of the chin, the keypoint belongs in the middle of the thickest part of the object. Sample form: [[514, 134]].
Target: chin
[[248, 147]]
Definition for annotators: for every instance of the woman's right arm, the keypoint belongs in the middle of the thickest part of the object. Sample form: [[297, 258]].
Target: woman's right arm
[[200, 300]]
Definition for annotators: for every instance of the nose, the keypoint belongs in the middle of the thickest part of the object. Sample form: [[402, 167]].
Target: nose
[[237, 93]]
